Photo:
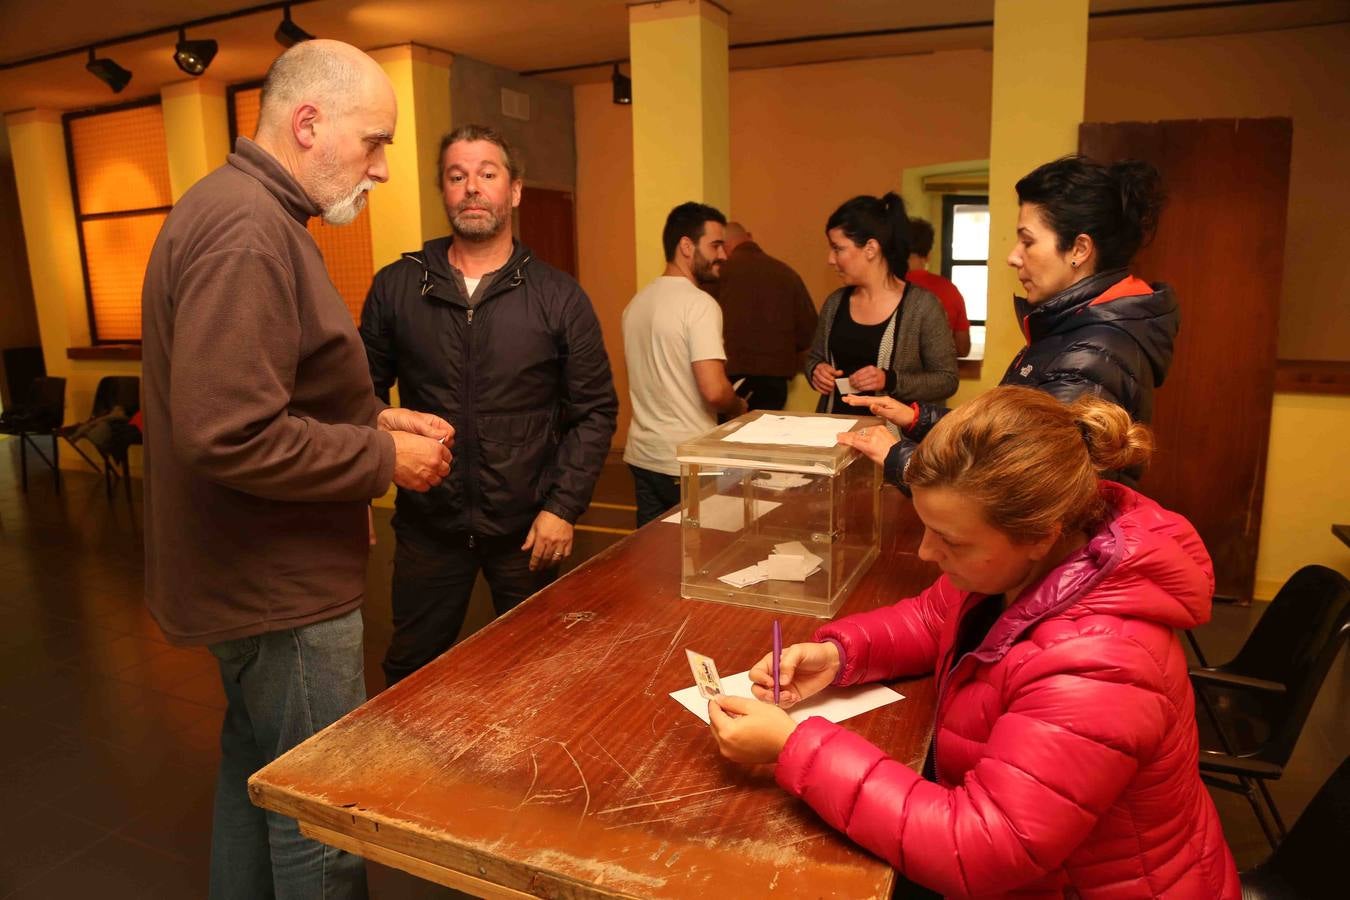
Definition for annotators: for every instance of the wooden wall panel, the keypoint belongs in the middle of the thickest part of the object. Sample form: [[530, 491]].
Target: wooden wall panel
[[1221, 246]]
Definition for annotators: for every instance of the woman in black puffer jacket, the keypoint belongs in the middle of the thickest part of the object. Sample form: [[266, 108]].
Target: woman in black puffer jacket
[[1091, 326]]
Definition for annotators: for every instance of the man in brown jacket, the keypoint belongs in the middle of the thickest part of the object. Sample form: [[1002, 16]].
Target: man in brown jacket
[[768, 320], [265, 444]]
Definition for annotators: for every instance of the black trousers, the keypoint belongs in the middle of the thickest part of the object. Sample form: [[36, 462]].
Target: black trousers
[[765, 391], [655, 493], [433, 581]]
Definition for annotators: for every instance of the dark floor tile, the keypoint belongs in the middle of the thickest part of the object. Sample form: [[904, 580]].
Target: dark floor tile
[[178, 823], [38, 839], [112, 869], [395, 884]]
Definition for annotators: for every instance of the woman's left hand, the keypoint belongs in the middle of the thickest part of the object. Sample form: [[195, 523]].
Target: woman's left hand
[[868, 378], [748, 731]]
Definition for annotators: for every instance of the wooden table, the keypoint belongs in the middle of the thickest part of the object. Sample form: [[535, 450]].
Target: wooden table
[[543, 757]]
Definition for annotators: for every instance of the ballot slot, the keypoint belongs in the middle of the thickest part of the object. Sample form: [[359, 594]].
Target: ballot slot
[[789, 527]]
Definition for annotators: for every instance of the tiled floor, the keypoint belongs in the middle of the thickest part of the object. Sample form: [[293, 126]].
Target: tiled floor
[[109, 749]]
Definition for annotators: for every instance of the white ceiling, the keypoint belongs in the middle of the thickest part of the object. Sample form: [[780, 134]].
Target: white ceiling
[[525, 35]]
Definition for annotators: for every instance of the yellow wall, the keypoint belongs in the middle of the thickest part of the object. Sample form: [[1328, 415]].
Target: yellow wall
[[196, 130], [1307, 488]]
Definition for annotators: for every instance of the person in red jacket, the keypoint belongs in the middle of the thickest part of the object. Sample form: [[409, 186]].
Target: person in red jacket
[[1064, 754]]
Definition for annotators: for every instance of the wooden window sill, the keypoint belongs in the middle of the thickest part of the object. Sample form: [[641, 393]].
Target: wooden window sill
[[106, 352], [969, 369]]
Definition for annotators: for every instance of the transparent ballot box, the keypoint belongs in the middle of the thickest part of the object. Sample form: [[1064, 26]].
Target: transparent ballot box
[[775, 514]]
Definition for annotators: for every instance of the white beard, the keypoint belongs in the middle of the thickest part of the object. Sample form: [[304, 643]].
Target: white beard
[[344, 211]]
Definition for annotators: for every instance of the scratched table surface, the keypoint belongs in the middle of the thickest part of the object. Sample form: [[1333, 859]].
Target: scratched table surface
[[544, 757]]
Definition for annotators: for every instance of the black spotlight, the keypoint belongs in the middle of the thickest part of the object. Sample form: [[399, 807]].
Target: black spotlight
[[109, 72], [288, 34], [194, 56], [623, 86]]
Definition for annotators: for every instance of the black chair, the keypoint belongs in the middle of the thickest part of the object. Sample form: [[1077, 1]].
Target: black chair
[[113, 391], [1259, 701], [1308, 864], [40, 414]]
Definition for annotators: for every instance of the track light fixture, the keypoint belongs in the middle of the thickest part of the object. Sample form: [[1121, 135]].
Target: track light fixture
[[623, 87], [107, 71], [288, 34], [194, 56]]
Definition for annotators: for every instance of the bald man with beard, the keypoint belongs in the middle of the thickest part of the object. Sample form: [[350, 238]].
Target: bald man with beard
[[265, 444]]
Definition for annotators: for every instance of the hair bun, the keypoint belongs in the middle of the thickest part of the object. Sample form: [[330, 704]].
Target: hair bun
[[1114, 441], [1141, 196]]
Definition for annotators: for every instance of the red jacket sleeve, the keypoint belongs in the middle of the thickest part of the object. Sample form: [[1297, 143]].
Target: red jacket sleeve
[[893, 641], [1076, 717]]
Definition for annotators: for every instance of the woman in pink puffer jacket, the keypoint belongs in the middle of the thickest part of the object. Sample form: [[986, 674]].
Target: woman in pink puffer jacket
[[1064, 761]]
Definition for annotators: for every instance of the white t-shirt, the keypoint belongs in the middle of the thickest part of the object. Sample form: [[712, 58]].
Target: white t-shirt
[[667, 326]]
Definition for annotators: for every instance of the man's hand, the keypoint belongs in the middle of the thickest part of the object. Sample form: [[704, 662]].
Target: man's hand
[[888, 408], [419, 462], [803, 671], [823, 376], [549, 540], [873, 443], [868, 378], [748, 731], [396, 418]]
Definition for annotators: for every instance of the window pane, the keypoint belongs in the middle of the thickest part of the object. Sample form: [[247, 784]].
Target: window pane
[[246, 111], [121, 160], [118, 251], [973, 283], [970, 231]]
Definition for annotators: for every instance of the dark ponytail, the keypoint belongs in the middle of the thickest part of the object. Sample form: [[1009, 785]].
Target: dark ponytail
[[882, 219], [1117, 205]]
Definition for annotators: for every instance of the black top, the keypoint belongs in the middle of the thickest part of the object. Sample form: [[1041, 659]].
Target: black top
[[854, 346], [975, 625]]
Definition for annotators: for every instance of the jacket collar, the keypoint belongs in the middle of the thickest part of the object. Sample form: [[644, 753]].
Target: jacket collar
[[256, 162], [435, 262], [1041, 319]]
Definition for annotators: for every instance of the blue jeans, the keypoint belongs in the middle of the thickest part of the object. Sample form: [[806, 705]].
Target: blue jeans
[[655, 493], [281, 687]]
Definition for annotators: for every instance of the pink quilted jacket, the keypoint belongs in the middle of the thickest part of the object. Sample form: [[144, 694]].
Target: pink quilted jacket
[[1066, 744]]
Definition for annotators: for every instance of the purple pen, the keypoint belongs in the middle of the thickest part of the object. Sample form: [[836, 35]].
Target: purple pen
[[777, 652]]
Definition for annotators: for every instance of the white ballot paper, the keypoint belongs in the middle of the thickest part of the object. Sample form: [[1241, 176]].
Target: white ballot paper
[[724, 513], [845, 386], [781, 481], [833, 703], [801, 431]]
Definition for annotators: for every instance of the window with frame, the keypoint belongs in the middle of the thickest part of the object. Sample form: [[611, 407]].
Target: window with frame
[[119, 180], [346, 248], [965, 257]]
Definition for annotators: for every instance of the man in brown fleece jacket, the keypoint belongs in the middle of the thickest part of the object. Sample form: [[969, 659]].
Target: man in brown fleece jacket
[[265, 443]]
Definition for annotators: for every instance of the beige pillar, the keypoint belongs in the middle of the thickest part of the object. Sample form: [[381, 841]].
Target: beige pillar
[[1040, 73], [408, 210], [681, 118], [196, 131]]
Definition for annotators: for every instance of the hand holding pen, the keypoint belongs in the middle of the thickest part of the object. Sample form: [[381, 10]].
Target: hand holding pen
[[803, 671]]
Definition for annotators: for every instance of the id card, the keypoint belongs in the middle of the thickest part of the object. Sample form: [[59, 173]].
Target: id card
[[705, 674]]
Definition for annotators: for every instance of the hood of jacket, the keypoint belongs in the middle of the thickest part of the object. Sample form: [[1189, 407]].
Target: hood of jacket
[[1148, 313]]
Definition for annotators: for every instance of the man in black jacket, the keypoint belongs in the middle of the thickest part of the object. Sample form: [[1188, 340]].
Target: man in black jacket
[[508, 349]]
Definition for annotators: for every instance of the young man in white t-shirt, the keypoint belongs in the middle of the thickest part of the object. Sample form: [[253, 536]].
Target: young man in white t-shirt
[[672, 338]]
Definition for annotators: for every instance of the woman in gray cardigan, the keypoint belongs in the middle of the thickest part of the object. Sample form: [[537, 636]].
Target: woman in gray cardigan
[[884, 335]]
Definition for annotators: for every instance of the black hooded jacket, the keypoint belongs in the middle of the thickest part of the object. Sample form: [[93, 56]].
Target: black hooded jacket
[[522, 375], [1110, 335]]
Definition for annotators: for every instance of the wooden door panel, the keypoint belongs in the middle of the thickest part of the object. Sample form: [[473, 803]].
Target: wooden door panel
[[548, 227], [1220, 245]]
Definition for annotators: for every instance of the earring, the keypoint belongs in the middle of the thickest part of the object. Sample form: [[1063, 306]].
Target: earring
[[1074, 264]]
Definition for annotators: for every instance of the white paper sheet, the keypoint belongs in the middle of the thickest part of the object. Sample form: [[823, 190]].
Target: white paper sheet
[[800, 431], [844, 386], [781, 481], [834, 703], [724, 513]]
